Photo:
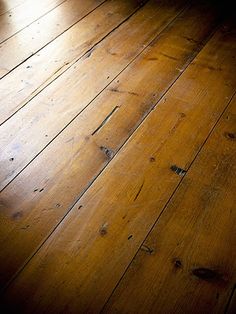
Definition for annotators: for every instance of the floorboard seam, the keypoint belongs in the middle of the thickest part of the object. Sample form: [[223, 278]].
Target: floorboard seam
[[32, 22], [172, 195], [26, 59], [86, 188], [73, 61], [172, 21]]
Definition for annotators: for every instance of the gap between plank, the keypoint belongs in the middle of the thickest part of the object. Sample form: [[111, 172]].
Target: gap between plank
[[159, 35], [167, 203], [44, 47], [12, 8], [73, 61], [105, 120], [230, 299], [101, 171], [31, 22]]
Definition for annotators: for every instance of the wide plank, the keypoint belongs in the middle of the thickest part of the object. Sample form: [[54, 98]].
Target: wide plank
[[187, 264], [23, 15], [114, 216], [28, 79], [9, 5], [50, 111], [30, 40]]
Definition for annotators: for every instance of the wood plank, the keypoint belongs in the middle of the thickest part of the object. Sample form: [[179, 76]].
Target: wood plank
[[37, 72], [231, 306], [30, 40], [113, 216], [48, 113], [8, 5], [187, 264], [23, 15]]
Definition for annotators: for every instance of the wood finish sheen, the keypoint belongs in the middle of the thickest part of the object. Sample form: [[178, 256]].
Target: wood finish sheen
[[117, 157]]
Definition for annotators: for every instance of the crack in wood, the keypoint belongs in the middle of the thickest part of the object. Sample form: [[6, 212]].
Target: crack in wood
[[106, 119], [88, 54], [181, 172], [139, 191]]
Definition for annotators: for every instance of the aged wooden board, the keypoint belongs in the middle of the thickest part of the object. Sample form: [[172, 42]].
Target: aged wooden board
[[23, 15], [101, 234], [48, 113], [28, 79], [187, 264], [9, 5]]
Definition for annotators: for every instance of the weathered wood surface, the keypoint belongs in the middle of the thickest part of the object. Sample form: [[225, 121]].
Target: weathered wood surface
[[48, 113], [9, 5], [187, 263], [23, 15], [28, 79], [103, 231]]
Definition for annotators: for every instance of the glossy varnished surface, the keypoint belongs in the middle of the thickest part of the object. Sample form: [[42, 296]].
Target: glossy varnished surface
[[117, 156]]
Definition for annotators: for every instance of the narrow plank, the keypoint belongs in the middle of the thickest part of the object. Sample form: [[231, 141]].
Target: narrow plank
[[9, 5], [23, 15], [30, 40], [112, 219], [188, 262], [37, 72], [48, 113]]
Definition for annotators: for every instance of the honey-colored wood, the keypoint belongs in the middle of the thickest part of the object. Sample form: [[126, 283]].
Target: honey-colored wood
[[41, 32], [37, 72], [48, 113], [187, 263], [87, 254], [23, 15]]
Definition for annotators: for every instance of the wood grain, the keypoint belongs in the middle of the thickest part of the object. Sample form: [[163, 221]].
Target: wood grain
[[28, 79], [48, 113], [96, 241], [23, 15], [187, 263], [30, 40]]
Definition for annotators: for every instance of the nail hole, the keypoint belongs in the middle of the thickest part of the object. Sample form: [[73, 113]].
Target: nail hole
[[230, 136]]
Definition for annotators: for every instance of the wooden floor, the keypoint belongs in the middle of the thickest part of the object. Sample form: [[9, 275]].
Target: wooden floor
[[117, 156]]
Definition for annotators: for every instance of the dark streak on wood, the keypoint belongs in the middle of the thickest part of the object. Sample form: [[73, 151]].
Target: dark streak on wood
[[230, 136], [108, 152], [88, 54], [147, 249], [106, 119], [116, 90], [181, 172], [168, 56], [207, 274], [139, 191]]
